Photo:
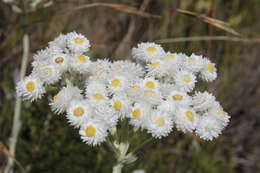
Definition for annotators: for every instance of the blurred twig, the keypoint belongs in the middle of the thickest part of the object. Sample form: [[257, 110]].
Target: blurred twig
[[212, 21], [6, 152], [207, 38], [119, 7]]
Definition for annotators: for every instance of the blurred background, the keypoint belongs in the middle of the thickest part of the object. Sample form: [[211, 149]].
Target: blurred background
[[47, 144]]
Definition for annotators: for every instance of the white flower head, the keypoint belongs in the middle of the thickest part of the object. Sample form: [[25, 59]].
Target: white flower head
[[80, 63], [147, 51], [185, 81], [193, 63], [100, 70], [77, 43], [60, 41], [185, 119], [159, 124], [60, 60], [48, 73], [78, 112], [203, 101], [208, 72], [30, 88], [61, 101], [158, 68], [179, 98], [121, 104], [117, 84], [93, 132], [139, 115], [208, 128]]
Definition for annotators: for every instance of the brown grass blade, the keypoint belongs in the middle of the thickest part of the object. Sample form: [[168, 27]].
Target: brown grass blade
[[208, 38], [118, 7], [212, 21]]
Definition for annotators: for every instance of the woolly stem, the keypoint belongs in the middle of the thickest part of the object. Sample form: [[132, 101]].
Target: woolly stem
[[117, 168], [17, 112]]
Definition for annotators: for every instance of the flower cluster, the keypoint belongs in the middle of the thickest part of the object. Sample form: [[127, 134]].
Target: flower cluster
[[155, 93]]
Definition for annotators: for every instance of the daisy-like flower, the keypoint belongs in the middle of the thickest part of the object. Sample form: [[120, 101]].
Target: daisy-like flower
[[150, 84], [159, 124], [139, 115], [148, 51], [185, 119], [78, 112], [80, 63], [121, 104], [194, 63], [30, 88], [60, 41], [203, 101], [117, 84], [208, 128], [48, 74], [219, 114], [93, 132], [100, 70], [61, 101], [60, 60], [179, 98], [157, 68], [208, 72], [151, 96], [77, 43], [185, 81], [97, 94]]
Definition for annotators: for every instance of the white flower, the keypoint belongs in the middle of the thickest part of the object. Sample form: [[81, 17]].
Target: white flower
[[185, 81], [139, 115], [121, 104], [60, 41], [48, 73], [147, 51], [150, 84], [117, 84], [61, 101], [80, 63], [60, 60], [194, 63], [97, 93], [30, 88], [185, 119], [157, 68], [100, 70], [208, 128], [179, 98], [78, 112], [203, 101], [174, 62], [77, 43], [159, 124], [93, 132], [208, 72]]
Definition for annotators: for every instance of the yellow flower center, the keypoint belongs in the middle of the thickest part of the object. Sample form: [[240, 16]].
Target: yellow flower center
[[160, 121], [135, 88], [59, 60], [90, 131], [189, 115], [98, 96], [81, 58], [170, 56], [222, 112], [78, 112], [47, 70], [55, 98], [136, 113], [177, 97], [156, 64], [150, 84], [210, 68], [149, 93], [117, 105], [186, 78], [151, 49], [78, 40], [191, 60], [30, 86], [115, 83]]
